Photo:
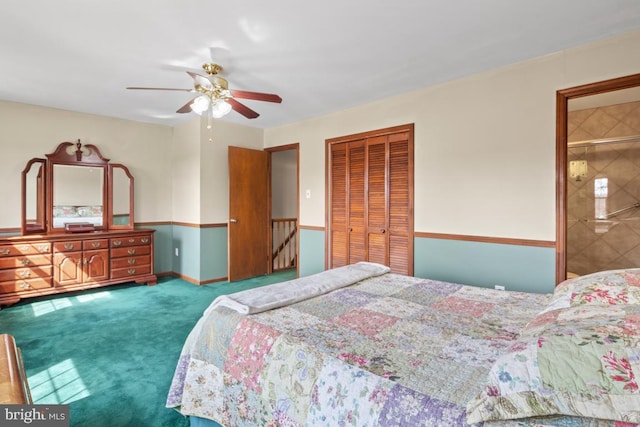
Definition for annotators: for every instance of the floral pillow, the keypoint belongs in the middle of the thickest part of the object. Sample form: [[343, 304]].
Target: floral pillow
[[65, 211], [612, 287], [579, 361]]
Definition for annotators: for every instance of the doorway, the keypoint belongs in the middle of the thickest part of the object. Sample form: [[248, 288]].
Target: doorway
[[285, 193], [597, 168], [263, 206]]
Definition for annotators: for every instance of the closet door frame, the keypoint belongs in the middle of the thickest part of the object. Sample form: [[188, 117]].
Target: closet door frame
[[409, 128]]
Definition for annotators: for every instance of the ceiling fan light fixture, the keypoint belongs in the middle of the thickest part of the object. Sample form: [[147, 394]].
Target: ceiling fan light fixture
[[220, 108], [200, 104]]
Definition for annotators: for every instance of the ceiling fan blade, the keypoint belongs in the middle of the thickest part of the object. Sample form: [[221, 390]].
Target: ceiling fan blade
[[159, 88], [186, 108], [201, 80], [258, 96], [242, 109]]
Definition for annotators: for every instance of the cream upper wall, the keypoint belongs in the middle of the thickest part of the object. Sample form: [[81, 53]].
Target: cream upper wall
[[484, 145], [214, 167], [185, 172], [28, 131]]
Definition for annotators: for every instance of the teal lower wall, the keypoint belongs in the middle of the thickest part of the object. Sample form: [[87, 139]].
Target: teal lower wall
[[516, 267], [312, 252], [201, 251], [213, 253], [162, 259], [203, 257]]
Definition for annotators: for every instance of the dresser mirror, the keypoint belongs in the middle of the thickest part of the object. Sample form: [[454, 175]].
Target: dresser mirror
[[76, 185], [78, 195]]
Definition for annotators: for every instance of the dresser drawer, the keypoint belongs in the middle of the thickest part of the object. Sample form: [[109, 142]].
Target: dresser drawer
[[25, 249], [130, 251], [95, 244], [25, 285], [68, 246], [25, 261], [130, 271], [131, 261], [130, 241], [26, 273]]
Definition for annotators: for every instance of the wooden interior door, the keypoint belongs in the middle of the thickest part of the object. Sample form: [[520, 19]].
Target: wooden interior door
[[248, 229]]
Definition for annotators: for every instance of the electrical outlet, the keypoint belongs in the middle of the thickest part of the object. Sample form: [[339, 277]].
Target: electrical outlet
[[177, 252], [307, 194], [499, 288]]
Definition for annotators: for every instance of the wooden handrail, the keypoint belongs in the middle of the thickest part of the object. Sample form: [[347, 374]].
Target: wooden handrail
[[284, 242]]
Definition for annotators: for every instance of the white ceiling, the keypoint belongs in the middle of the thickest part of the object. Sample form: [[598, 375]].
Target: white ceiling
[[320, 57]]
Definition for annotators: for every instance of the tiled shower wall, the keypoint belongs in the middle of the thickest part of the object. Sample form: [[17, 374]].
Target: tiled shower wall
[[603, 244]]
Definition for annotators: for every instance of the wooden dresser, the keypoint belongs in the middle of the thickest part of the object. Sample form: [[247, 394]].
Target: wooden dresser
[[36, 265]]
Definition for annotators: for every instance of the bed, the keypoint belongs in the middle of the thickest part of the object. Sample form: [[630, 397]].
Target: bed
[[361, 346], [66, 214]]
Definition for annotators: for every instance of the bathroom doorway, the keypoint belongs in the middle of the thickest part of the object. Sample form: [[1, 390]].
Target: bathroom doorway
[[601, 173]]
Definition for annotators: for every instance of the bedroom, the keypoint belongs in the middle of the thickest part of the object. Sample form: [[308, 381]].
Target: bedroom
[[512, 175], [502, 159]]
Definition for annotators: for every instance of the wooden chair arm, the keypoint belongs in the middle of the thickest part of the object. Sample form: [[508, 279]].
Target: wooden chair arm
[[14, 387]]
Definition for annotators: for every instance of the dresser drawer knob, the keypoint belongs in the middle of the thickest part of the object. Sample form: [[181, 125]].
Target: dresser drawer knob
[[132, 240], [5, 251], [24, 273], [24, 286], [131, 271], [117, 242], [145, 240], [68, 246], [25, 261], [95, 244], [24, 248], [131, 261], [131, 251], [43, 248]]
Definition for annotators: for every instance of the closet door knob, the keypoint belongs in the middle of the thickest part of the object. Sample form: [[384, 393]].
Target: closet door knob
[[382, 230], [233, 220]]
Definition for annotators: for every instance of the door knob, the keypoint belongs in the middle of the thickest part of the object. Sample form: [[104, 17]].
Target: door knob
[[233, 220]]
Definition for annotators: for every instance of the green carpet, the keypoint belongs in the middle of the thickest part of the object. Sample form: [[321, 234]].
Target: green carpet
[[110, 353]]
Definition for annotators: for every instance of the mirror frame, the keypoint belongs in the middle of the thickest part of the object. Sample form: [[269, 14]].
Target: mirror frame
[[84, 155], [110, 216], [87, 155], [40, 225]]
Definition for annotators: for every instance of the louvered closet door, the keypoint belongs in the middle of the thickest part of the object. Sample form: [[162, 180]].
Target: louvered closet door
[[400, 225], [347, 203], [377, 202], [338, 210], [371, 203], [357, 211]]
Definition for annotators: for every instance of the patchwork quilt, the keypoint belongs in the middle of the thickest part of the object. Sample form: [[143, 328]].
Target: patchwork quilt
[[390, 350]]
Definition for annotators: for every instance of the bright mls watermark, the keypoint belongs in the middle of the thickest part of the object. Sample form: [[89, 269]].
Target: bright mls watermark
[[34, 415]]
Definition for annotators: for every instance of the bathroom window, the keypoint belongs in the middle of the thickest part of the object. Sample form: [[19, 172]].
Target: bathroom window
[[601, 190]]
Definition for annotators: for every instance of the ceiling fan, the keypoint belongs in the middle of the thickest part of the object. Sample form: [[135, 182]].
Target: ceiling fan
[[215, 98]]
